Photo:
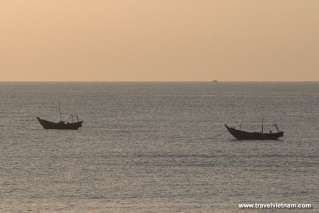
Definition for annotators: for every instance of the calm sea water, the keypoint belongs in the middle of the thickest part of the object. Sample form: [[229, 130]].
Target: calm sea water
[[157, 147]]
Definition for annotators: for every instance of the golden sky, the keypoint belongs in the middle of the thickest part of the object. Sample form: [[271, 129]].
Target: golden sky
[[159, 40]]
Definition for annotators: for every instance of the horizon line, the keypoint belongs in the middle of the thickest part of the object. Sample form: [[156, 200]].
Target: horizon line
[[160, 81]]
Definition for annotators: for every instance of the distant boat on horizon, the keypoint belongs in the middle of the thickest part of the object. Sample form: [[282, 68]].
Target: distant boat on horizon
[[61, 125], [245, 135]]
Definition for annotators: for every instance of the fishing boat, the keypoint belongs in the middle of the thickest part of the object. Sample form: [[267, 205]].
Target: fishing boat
[[61, 125], [245, 135]]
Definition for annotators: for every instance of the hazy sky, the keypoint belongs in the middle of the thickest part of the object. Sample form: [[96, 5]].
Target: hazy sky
[[159, 40]]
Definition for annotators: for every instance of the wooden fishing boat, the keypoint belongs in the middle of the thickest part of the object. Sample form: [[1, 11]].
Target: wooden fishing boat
[[60, 125], [245, 135]]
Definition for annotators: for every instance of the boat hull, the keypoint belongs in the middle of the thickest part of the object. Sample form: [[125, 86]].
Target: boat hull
[[59, 125], [243, 135]]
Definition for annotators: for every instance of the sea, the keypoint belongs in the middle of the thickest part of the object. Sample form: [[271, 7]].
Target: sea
[[158, 147]]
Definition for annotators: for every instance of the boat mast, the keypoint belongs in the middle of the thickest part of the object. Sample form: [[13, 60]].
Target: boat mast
[[262, 126], [59, 110]]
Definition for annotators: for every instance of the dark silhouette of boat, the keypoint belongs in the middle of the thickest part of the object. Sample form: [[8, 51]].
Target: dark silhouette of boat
[[61, 125], [244, 135]]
